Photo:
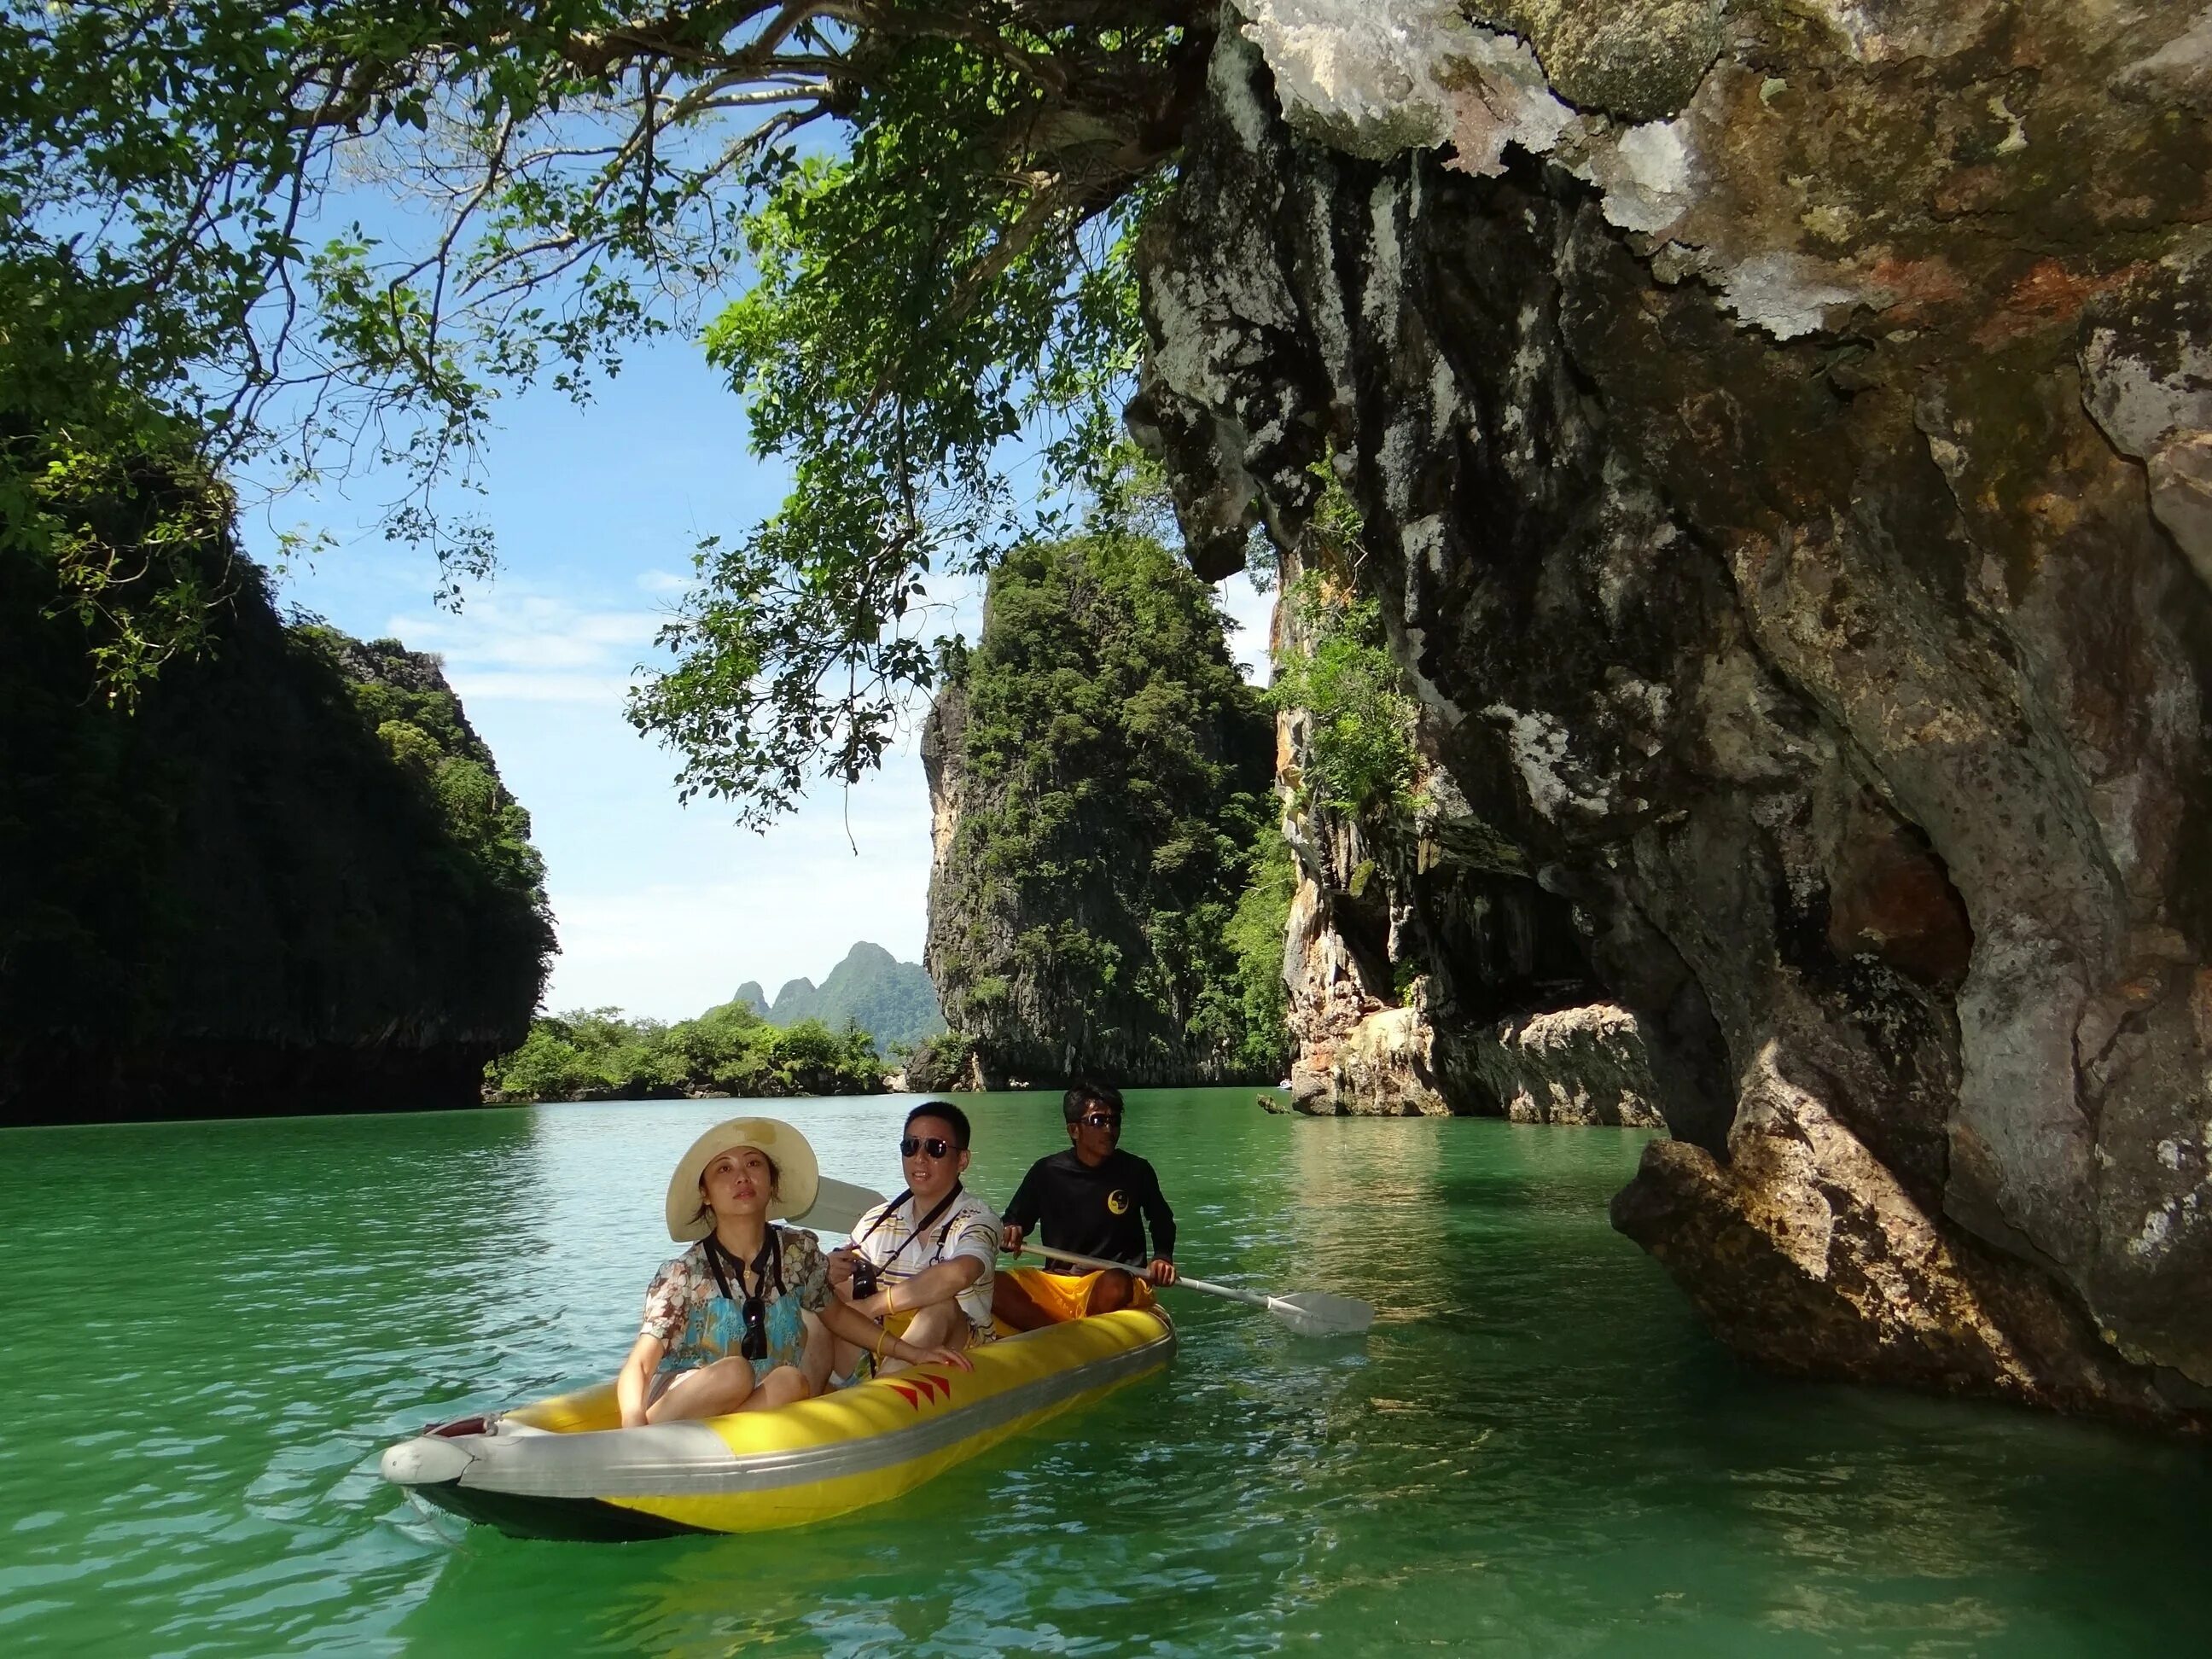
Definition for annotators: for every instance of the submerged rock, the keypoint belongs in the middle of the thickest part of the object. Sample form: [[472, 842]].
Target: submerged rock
[[1784, 483]]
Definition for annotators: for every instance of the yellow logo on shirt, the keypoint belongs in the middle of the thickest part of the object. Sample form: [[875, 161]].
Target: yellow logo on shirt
[[1118, 1201]]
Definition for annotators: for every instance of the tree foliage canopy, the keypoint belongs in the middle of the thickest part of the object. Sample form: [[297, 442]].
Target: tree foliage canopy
[[941, 275], [594, 1053]]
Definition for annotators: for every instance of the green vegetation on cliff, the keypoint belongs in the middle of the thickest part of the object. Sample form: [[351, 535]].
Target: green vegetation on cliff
[[284, 878], [1254, 937], [1108, 774], [597, 1054], [1336, 674], [403, 697], [892, 1001]]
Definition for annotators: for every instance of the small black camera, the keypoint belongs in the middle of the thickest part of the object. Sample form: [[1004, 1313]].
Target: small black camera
[[864, 1277]]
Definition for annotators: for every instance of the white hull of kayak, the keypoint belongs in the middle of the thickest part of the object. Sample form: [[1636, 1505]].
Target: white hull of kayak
[[561, 1468]]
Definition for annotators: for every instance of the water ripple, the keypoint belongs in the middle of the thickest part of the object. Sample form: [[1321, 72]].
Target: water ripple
[[217, 1327]]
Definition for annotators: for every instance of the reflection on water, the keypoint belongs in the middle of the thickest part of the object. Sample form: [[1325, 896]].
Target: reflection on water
[[212, 1329]]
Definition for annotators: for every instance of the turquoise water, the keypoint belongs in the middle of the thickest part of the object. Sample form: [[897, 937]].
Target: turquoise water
[[211, 1330]]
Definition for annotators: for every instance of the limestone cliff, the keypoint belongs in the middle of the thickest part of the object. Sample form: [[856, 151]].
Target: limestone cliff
[[288, 880], [1780, 432], [1428, 974], [1097, 770], [892, 1001]]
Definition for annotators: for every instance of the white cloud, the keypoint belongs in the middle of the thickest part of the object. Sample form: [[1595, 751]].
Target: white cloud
[[681, 934], [662, 581], [1252, 611], [515, 645], [522, 630]]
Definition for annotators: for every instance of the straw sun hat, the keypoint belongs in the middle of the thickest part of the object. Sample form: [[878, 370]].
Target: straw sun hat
[[797, 1177]]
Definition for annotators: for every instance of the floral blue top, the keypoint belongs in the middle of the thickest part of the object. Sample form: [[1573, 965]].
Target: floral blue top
[[686, 1309]]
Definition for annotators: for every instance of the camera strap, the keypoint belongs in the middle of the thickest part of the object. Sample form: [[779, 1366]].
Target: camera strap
[[767, 1266], [919, 1227]]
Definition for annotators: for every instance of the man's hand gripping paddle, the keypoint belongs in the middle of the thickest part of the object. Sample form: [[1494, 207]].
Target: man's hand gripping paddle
[[838, 1205], [1310, 1313]]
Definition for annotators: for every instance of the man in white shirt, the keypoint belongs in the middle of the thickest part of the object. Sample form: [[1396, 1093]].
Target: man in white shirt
[[920, 1265]]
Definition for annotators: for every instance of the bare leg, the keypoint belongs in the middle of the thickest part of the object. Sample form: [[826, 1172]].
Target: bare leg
[[724, 1385], [844, 1355], [1114, 1290], [818, 1354], [1016, 1306], [786, 1385], [941, 1325]]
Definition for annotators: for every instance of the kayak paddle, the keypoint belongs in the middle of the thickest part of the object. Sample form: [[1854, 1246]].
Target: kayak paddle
[[838, 1205], [1310, 1313]]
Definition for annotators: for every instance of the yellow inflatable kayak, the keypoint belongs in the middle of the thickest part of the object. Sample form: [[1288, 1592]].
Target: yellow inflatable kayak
[[561, 1468]]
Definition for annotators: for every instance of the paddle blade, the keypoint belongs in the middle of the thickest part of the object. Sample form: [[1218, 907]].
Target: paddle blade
[[1317, 1313], [838, 1207]]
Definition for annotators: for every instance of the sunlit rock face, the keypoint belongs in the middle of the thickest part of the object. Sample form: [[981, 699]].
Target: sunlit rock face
[[1785, 474], [1428, 974]]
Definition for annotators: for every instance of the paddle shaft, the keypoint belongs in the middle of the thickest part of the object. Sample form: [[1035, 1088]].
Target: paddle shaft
[[1249, 1298], [838, 1205]]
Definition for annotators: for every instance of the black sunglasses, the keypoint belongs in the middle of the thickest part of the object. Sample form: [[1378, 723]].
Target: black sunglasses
[[935, 1145], [754, 1344], [1102, 1120]]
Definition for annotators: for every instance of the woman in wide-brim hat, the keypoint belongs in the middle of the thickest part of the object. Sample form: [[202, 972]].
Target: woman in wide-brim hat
[[726, 1326]]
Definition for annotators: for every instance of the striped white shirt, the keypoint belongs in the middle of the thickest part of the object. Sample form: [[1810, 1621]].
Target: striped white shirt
[[968, 1227]]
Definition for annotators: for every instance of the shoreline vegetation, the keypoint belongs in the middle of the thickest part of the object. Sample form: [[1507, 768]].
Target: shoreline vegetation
[[866, 1027], [596, 1054]]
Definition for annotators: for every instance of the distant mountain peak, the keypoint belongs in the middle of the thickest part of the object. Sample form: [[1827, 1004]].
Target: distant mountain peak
[[891, 1000]]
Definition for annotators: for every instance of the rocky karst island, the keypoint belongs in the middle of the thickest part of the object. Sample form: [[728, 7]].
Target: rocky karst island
[[1778, 436], [1732, 481]]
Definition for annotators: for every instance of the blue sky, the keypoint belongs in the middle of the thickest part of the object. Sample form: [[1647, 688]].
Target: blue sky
[[663, 909]]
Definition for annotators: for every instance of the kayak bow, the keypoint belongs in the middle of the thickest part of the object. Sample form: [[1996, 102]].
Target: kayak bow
[[564, 1468]]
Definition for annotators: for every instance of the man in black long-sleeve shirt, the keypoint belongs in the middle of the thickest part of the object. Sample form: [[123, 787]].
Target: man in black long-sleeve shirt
[[1093, 1199]]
